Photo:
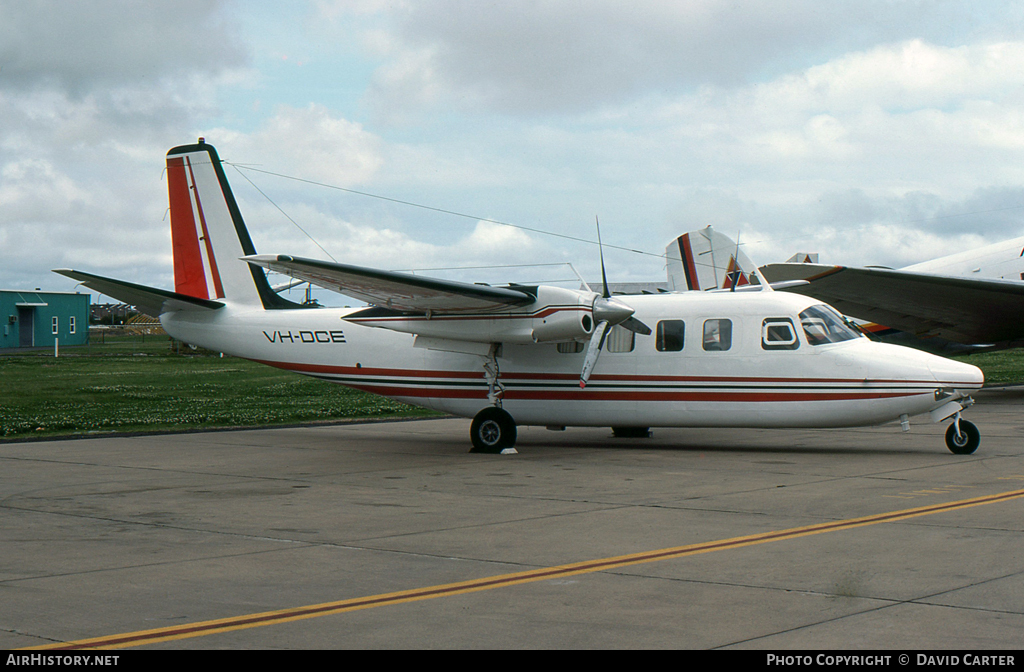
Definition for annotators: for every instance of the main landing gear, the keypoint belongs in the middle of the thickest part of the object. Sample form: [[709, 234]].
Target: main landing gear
[[631, 432], [962, 437], [493, 431]]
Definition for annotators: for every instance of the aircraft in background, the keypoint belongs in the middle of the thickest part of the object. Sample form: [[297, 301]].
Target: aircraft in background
[[532, 355], [969, 300], [706, 260]]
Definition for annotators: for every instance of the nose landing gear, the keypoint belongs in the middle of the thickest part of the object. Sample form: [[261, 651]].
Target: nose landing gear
[[962, 437]]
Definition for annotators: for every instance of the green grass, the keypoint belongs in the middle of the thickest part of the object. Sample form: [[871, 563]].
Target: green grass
[[126, 385]]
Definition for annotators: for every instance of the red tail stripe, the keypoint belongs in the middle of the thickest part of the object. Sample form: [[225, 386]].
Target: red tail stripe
[[217, 286], [689, 267], [189, 277]]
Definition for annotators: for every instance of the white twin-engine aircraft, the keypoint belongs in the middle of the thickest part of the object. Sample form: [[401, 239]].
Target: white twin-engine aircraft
[[535, 355]]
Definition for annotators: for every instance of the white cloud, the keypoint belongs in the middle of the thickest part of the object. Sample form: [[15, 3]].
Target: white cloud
[[378, 246], [496, 242], [309, 143], [80, 45], [913, 75], [852, 128], [565, 57]]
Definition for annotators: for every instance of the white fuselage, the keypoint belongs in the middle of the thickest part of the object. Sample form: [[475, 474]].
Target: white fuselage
[[855, 382]]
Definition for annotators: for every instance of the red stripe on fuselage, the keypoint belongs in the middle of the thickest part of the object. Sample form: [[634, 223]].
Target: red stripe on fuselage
[[417, 374], [476, 316], [592, 394]]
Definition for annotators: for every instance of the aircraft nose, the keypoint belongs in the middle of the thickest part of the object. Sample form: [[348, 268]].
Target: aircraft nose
[[951, 373]]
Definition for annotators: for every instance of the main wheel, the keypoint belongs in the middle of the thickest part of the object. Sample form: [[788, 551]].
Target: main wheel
[[492, 431], [631, 432], [966, 442]]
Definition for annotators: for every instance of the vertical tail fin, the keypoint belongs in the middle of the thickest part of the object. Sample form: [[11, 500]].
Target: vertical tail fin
[[706, 259], [208, 235]]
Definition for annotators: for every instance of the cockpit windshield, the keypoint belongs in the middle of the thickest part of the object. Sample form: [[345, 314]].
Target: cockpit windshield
[[824, 325]]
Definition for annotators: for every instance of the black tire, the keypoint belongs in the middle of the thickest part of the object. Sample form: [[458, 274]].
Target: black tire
[[631, 432], [492, 431], [966, 442]]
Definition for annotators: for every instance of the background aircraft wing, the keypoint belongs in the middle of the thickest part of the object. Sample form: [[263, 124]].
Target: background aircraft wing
[[148, 300], [960, 309], [391, 289]]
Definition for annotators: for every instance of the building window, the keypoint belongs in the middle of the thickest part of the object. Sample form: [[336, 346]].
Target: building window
[[54, 326], [717, 335], [569, 347], [71, 324], [670, 336], [620, 339]]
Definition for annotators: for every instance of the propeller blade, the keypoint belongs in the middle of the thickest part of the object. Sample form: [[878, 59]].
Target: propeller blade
[[636, 326], [593, 351], [600, 248]]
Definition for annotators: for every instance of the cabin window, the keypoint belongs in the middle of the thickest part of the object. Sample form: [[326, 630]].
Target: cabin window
[[717, 335], [670, 336], [620, 339], [823, 325], [778, 333], [570, 347], [54, 328]]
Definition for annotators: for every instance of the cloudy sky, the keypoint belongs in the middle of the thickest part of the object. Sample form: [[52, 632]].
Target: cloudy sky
[[872, 132]]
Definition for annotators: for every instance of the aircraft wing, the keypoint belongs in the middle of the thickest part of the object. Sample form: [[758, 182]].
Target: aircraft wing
[[960, 309], [391, 289], [149, 300]]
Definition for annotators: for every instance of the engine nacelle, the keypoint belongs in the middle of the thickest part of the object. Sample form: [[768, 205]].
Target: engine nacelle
[[566, 317], [557, 315]]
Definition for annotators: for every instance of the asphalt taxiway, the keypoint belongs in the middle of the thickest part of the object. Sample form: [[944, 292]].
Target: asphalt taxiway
[[392, 535]]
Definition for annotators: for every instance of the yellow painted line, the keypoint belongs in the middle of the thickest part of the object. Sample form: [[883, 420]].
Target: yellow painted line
[[943, 490], [221, 625]]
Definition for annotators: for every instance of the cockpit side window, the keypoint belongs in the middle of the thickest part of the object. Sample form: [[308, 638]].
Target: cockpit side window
[[717, 335], [778, 333], [823, 325]]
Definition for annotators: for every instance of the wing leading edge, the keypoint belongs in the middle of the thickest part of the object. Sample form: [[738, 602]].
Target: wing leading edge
[[398, 291], [959, 309]]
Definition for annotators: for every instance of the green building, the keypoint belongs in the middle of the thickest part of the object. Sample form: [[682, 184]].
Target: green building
[[37, 319]]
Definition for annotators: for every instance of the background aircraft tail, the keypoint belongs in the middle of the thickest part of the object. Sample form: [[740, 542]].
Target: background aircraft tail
[[706, 259], [208, 235]]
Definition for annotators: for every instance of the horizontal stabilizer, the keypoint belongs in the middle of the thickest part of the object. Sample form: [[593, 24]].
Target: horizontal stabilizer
[[148, 300], [398, 291]]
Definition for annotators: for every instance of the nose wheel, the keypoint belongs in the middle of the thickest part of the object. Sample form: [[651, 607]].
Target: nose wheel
[[962, 437], [493, 430]]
